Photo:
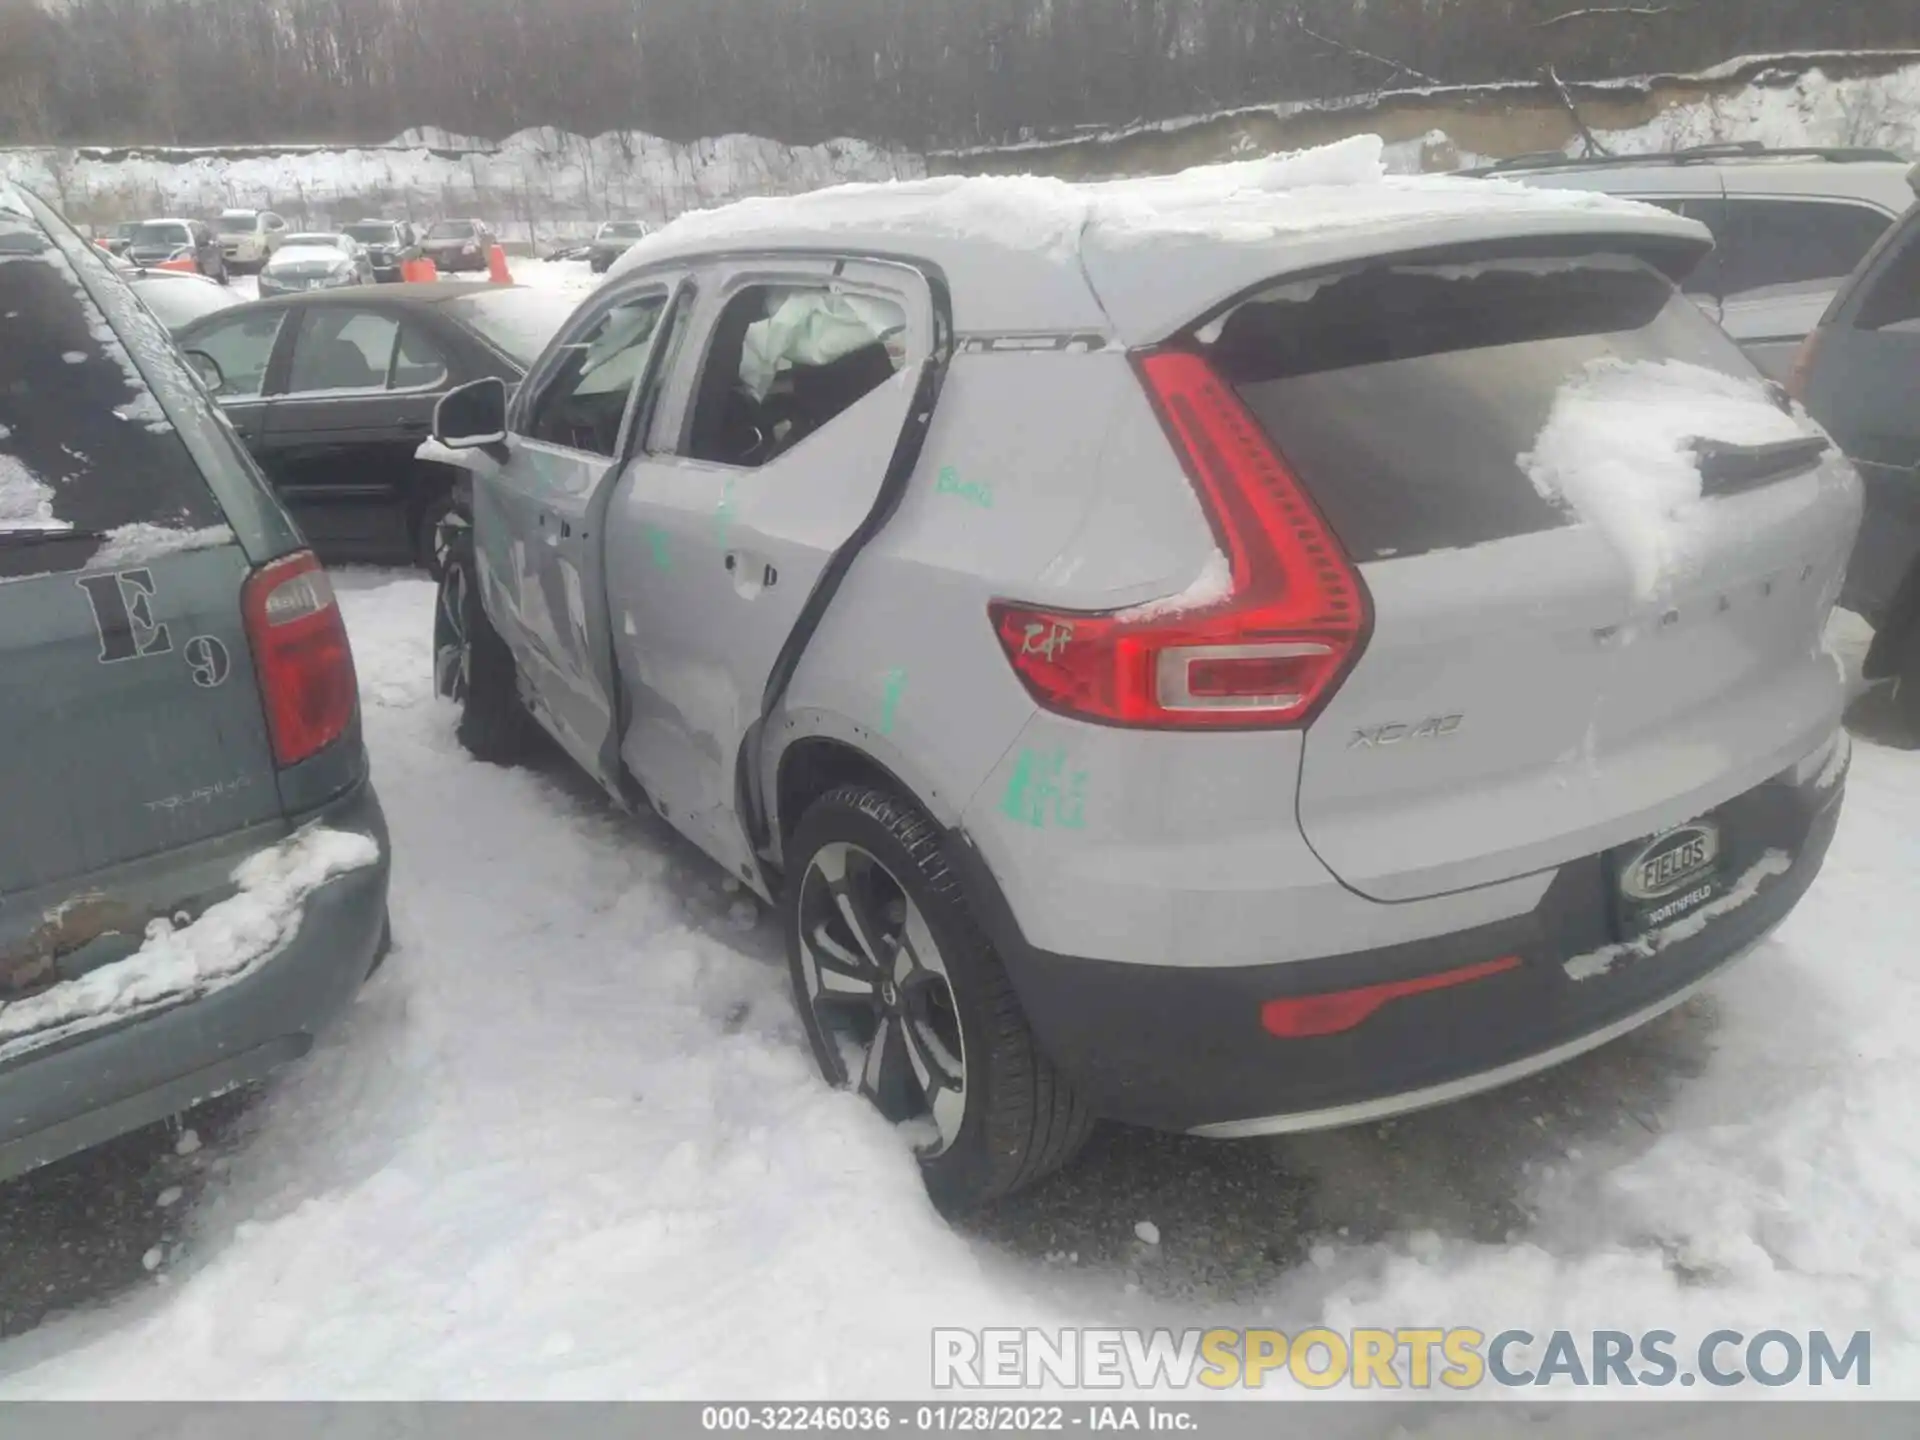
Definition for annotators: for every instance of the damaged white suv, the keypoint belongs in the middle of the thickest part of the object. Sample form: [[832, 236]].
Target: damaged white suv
[[1263, 649]]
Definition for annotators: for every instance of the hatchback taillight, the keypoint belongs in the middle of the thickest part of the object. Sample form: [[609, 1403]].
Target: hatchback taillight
[[301, 656], [1266, 652]]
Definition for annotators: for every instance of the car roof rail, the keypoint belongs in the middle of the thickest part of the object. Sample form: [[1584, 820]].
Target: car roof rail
[[1691, 155]]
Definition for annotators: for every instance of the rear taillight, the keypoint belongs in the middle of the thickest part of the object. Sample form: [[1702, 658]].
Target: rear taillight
[[1267, 653], [301, 656], [1803, 365]]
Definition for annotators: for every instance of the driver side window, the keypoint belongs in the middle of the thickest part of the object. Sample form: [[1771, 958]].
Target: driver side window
[[786, 361], [583, 404], [241, 348]]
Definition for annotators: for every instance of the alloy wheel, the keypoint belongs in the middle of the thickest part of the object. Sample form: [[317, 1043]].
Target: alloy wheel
[[881, 994]]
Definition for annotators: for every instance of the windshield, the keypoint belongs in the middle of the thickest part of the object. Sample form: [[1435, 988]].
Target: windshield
[[161, 232], [244, 223], [374, 233], [312, 242], [622, 230], [176, 300], [518, 323], [450, 230]]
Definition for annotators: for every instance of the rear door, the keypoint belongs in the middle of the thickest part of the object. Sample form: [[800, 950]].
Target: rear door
[[351, 406], [539, 512], [796, 381], [130, 723], [1865, 387], [1571, 641]]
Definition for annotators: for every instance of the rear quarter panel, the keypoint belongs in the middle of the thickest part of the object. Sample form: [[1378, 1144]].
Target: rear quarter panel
[[1044, 478]]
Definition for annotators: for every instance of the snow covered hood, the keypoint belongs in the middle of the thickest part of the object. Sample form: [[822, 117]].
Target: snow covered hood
[[1020, 251]]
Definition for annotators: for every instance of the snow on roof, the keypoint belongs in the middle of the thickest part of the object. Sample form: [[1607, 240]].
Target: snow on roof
[[1013, 247]]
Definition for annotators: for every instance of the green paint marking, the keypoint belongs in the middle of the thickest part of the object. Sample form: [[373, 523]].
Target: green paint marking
[[1040, 791], [723, 512], [972, 491], [896, 683], [657, 543]]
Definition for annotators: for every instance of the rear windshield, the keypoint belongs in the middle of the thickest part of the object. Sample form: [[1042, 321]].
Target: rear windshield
[[1404, 395], [161, 233], [517, 323], [623, 230], [176, 301], [373, 234], [85, 448], [451, 230]]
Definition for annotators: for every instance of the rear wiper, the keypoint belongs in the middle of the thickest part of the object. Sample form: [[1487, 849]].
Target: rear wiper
[[1727, 468], [12, 539]]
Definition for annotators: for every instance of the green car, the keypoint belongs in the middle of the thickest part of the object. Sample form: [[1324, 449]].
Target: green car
[[193, 868]]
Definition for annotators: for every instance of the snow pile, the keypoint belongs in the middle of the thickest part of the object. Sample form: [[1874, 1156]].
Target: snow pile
[[141, 542], [26, 501], [1880, 111], [1329, 187], [1616, 450], [231, 939], [557, 180]]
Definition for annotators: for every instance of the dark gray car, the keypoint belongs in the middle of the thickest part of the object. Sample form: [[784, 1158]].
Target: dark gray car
[[1860, 377], [193, 872]]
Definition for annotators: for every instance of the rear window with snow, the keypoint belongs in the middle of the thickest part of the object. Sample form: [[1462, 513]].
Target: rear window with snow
[[85, 448], [1404, 395]]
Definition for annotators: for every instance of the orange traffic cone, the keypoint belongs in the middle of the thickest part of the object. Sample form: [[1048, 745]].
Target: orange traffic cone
[[497, 266], [185, 266]]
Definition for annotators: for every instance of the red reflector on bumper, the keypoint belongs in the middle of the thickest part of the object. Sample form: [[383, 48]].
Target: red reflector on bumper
[[1298, 1017]]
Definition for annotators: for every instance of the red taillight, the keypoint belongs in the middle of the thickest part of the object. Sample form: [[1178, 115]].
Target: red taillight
[[301, 656], [1266, 653], [1803, 365], [1301, 1017]]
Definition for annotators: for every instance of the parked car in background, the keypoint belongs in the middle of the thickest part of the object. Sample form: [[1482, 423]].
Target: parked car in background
[[1859, 376], [114, 238], [334, 393], [156, 242], [248, 238], [193, 872], [612, 240], [1789, 225], [1128, 721], [177, 298], [457, 245], [388, 243], [321, 260]]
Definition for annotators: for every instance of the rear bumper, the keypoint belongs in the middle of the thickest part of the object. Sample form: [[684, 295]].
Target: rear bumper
[[1182, 1047], [54, 1103]]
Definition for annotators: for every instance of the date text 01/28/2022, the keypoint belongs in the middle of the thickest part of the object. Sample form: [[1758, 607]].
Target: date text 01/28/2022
[[936, 1419]]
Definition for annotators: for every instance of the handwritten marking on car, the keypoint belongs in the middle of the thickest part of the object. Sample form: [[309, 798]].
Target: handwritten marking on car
[[1040, 792], [202, 795], [896, 685], [972, 491], [123, 615], [1041, 639], [208, 659], [1375, 737], [657, 547]]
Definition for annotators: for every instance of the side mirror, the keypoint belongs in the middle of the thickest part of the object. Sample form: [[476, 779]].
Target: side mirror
[[208, 369], [472, 415]]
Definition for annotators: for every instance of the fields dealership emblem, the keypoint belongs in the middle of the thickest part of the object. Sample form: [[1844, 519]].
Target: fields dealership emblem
[[1671, 862]]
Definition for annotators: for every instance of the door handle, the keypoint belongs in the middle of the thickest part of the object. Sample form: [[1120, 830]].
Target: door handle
[[737, 565], [414, 427]]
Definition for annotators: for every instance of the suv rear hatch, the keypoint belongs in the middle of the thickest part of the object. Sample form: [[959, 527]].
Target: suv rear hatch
[[1599, 552], [130, 721]]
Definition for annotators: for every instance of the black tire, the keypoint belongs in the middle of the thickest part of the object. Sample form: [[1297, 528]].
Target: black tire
[[431, 536], [473, 667], [1016, 1120]]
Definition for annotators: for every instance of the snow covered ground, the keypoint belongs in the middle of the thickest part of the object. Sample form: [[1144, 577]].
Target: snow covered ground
[[570, 1143]]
